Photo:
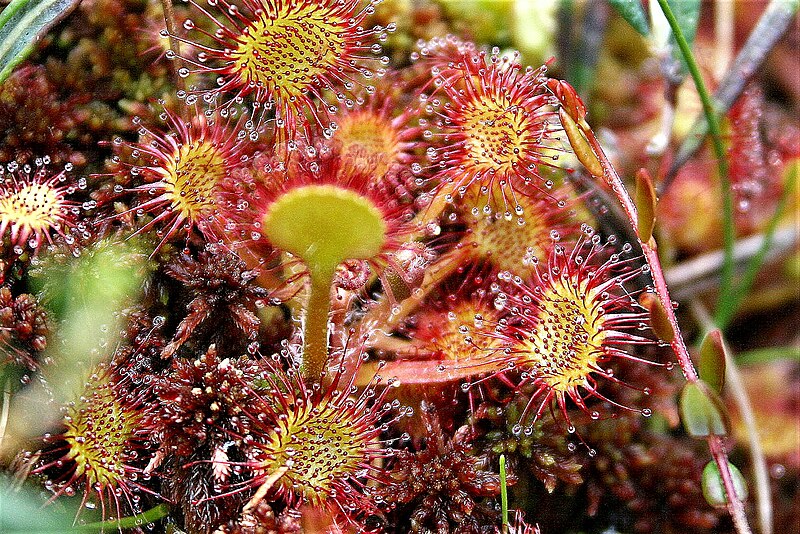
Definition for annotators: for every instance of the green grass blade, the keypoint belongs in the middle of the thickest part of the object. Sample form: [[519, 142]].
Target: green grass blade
[[22, 23], [503, 494], [687, 15], [145, 518], [633, 12], [712, 117], [768, 355]]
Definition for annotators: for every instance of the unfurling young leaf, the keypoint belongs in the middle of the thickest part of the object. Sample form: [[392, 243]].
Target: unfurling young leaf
[[712, 360], [659, 321], [580, 145], [645, 205]]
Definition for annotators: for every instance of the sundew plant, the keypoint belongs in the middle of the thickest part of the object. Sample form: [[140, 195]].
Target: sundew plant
[[431, 266]]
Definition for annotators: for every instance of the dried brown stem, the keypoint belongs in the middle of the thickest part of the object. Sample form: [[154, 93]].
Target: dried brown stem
[[692, 276], [174, 44]]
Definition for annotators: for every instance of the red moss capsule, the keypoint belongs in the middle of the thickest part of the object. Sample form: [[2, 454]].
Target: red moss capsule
[[23, 329], [445, 485], [199, 401]]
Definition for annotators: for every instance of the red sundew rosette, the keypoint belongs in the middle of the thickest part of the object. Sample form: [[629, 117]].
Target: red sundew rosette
[[444, 344], [506, 242], [324, 212], [183, 170], [316, 445], [571, 316], [378, 134], [446, 55], [286, 55], [496, 127], [477, 243], [104, 437], [34, 208]]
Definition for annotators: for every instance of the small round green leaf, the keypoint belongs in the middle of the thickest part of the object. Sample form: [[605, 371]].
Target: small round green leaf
[[702, 411], [714, 488]]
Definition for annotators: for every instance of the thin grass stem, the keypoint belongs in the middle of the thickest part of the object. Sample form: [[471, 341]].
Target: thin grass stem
[[728, 229], [735, 505], [503, 494], [724, 315], [768, 354]]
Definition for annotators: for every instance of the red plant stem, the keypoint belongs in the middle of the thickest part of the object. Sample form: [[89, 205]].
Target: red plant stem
[[715, 444], [651, 255]]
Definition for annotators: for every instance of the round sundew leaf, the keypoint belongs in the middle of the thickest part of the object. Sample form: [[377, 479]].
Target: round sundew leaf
[[714, 487], [325, 225]]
